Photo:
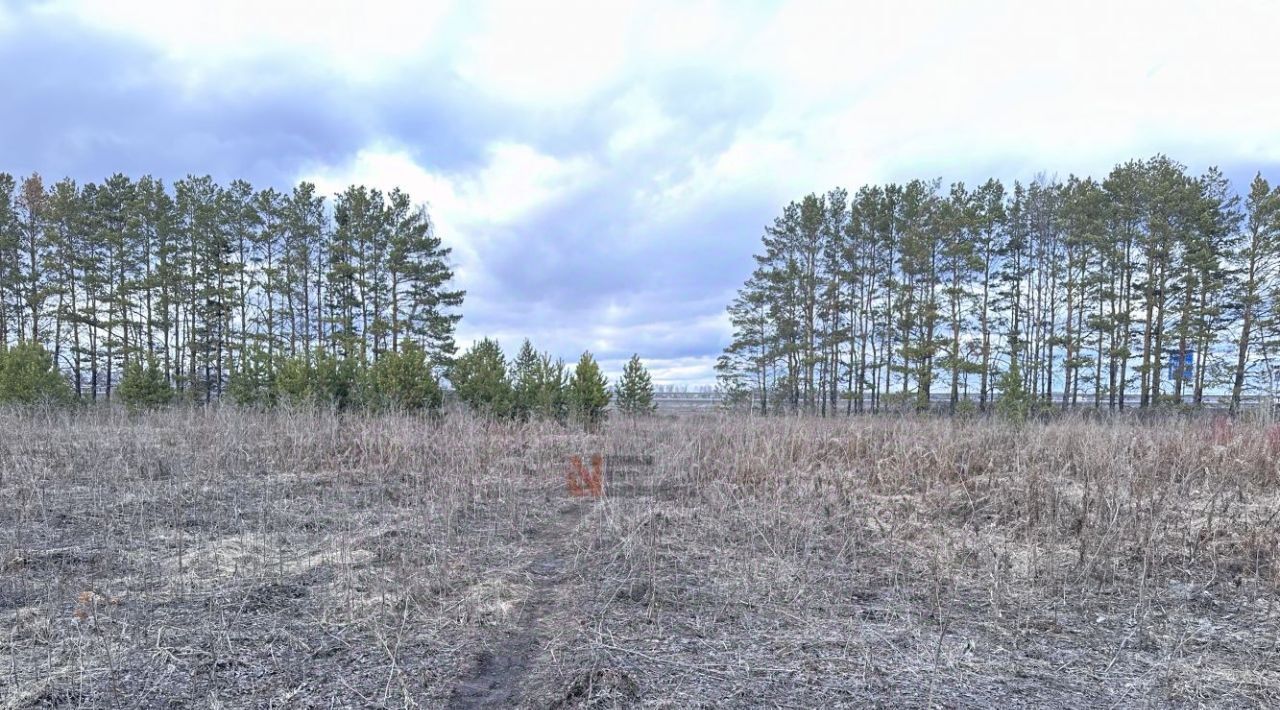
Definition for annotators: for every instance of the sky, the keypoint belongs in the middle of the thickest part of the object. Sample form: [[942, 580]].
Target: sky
[[603, 171]]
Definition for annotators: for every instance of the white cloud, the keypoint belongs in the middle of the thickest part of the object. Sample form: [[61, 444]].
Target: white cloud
[[518, 179], [639, 122], [515, 180], [1066, 86], [547, 52], [359, 39], [469, 209], [691, 371], [935, 81]]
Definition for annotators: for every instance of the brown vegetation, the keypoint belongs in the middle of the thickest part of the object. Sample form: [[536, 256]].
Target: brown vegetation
[[224, 558]]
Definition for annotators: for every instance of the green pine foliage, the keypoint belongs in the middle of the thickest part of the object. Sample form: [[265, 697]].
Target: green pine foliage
[[525, 382], [28, 377], [294, 381], [322, 380], [480, 378], [634, 392], [144, 386], [339, 382], [1014, 403], [253, 384], [403, 380], [551, 390], [588, 392], [538, 385]]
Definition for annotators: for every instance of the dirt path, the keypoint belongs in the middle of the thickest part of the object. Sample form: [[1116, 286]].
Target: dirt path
[[498, 671]]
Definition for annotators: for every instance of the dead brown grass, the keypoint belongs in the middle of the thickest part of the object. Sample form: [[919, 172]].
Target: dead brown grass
[[225, 558]]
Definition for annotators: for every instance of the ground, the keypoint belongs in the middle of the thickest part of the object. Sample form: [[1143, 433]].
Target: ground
[[292, 559]]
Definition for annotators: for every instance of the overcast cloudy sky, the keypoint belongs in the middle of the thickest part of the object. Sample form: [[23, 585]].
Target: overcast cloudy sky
[[604, 170]]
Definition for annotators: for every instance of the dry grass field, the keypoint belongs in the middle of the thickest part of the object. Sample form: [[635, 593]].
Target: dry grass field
[[228, 559]]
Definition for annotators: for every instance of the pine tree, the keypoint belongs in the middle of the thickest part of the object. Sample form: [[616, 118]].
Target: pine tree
[[1089, 284], [65, 227], [153, 222], [9, 240], [988, 226], [1214, 215], [355, 215], [731, 386], [634, 392], [422, 306], [403, 380], [295, 380], [32, 259], [303, 257], [917, 310], [322, 380], [1124, 197], [551, 395], [28, 376], [1082, 223], [1164, 188], [144, 386], [243, 225], [268, 279], [200, 275], [117, 240], [1015, 403], [253, 384], [754, 349], [525, 381], [338, 382], [1260, 256], [588, 391], [868, 271], [960, 262], [202, 256], [479, 376]]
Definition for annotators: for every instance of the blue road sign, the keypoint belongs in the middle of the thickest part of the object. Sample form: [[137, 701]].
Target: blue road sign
[[1187, 362]]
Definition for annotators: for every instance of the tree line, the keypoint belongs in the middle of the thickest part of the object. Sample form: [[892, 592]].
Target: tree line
[[531, 386], [534, 385], [133, 291], [210, 286], [1152, 285]]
